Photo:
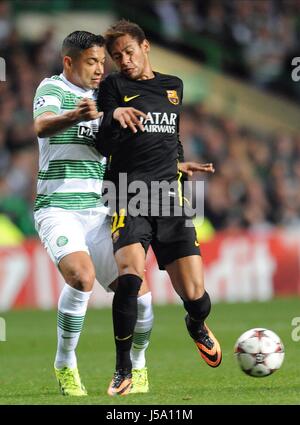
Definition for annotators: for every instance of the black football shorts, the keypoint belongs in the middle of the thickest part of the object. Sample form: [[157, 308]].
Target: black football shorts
[[171, 238]]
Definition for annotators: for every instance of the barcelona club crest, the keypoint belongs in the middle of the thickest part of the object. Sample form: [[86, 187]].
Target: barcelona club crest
[[173, 96]]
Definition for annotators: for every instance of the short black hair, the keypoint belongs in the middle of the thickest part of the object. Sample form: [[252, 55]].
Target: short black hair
[[78, 41], [120, 28]]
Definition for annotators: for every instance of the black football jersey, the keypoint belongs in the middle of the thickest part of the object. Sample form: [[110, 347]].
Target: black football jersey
[[154, 153]]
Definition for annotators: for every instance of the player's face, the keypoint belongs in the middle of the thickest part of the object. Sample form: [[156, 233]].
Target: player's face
[[88, 69], [131, 57]]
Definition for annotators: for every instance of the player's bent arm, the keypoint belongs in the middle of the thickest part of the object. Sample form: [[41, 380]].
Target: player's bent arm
[[108, 138], [116, 118], [48, 124]]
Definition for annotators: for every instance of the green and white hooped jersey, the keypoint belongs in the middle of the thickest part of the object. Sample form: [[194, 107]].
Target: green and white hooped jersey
[[71, 170]]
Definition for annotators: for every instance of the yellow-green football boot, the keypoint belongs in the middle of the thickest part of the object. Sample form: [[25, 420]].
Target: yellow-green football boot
[[140, 382], [69, 382]]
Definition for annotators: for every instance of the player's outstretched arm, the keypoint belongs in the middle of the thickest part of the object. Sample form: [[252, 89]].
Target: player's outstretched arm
[[190, 167], [48, 124]]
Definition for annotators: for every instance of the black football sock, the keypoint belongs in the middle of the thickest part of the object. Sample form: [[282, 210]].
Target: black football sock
[[124, 310], [198, 310]]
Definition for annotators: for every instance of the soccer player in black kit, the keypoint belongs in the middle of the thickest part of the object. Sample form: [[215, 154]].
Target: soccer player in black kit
[[139, 133]]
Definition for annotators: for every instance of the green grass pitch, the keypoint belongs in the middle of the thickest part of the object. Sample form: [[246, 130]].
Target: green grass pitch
[[178, 375]]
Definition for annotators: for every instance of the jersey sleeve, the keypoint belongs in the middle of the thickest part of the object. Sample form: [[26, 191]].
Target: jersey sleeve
[[108, 136], [48, 98]]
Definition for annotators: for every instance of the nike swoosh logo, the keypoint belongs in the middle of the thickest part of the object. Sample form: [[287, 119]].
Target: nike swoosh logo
[[212, 357], [209, 351], [123, 339], [128, 99], [212, 360]]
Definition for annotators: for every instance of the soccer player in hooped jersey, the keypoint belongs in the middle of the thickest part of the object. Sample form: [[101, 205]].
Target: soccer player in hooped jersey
[[139, 133], [70, 216]]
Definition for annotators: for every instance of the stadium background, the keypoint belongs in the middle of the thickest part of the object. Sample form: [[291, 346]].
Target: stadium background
[[241, 112]]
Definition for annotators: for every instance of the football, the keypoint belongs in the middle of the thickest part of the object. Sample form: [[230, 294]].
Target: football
[[259, 352]]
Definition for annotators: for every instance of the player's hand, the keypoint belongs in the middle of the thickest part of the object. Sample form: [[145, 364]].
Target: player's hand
[[129, 117], [87, 110], [190, 167]]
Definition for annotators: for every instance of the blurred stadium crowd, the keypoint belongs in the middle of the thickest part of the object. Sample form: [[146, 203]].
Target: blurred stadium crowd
[[256, 184], [251, 39], [257, 179]]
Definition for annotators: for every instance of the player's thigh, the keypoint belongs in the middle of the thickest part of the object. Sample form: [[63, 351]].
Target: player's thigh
[[175, 238], [186, 275], [131, 238], [61, 233], [101, 251]]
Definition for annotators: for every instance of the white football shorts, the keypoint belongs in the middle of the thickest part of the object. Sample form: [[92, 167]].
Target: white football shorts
[[63, 232]]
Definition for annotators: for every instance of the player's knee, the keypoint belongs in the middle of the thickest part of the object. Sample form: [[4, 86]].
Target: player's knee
[[193, 290], [81, 278], [127, 268]]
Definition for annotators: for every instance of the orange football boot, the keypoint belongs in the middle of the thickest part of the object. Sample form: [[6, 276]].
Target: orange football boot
[[205, 341], [120, 384]]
